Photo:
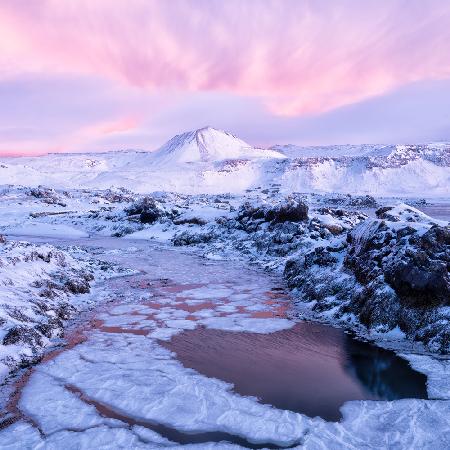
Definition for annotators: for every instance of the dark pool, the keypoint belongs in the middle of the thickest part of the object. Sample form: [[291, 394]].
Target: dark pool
[[311, 368]]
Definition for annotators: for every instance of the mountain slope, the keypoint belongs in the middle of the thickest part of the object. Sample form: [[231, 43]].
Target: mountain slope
[[213, 161], [208, 145]]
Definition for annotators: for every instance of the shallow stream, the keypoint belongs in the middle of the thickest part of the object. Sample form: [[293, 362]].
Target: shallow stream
[[197, 351]]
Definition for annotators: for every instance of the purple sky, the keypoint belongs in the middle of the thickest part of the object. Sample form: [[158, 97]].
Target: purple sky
[[90, 75]]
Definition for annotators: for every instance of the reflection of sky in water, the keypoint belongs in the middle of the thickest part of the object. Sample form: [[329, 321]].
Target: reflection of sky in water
[[382, 373], [309, 368]]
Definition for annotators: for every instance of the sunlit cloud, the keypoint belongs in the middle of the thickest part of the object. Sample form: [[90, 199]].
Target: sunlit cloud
[[299, 57], [90, 74]]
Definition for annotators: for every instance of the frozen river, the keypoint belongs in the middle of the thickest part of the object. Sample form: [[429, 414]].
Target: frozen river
[[190, 351]]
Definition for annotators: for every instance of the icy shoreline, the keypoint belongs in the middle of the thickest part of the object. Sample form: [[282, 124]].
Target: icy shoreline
[[263, 229], [123, 368], [42, 287]]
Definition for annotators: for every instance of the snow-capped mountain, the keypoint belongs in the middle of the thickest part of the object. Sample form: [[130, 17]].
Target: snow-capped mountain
[[207, 145], [213, 161]]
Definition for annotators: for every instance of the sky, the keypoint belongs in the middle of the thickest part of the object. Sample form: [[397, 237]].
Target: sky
[[98, 75]]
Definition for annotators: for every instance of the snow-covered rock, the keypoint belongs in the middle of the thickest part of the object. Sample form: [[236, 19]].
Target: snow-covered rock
[[37, 287]]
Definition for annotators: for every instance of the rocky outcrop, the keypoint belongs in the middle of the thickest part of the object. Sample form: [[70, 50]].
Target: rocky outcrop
[[192, 238], [414, 264], [385, 273], [47, 195], [146, 209], [37, 285], [393, 274], [289, 210]]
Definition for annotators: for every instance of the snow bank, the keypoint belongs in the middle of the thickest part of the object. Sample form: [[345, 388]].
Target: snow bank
[[37, 283]]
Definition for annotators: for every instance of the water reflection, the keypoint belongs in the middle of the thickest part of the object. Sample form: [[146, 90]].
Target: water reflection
[[382, 373], [310, 368]]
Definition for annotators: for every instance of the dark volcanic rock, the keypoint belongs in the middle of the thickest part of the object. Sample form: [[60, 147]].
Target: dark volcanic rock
[[292, 211], [420, 274], [190, 221], [415, 266], [146, 208], [393, 274], [288, 210], [149, 216], [366, 201], [187, 238], [22, 334]]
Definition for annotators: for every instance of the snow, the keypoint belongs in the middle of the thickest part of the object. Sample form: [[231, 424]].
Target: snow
[[47, 391], [111, 368], [251, 325], [34, 293], [403, 424], [213, 161], [205, 145], [45, 229], [99, 437], [437, 371], [407, 213]]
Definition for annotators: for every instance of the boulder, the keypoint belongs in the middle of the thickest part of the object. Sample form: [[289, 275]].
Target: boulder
[[146, 208]]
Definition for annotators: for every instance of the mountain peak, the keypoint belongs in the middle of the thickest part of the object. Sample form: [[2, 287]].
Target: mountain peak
[[207, 144]]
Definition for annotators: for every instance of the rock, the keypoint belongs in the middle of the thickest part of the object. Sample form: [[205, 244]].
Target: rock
[[420, 273], [404, 273], [320, 256], [149, 216], [414, 265], [47, 195], [22, 334], [190, 221], [53, 328], [403, 212], [383, 213], [79, 284], [146, 208], [292, 211], [366, 201], [187, 238], [288, 210]]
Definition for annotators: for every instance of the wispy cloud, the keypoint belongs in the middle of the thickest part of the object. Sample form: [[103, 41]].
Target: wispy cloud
[[83, 74], [299, 57]]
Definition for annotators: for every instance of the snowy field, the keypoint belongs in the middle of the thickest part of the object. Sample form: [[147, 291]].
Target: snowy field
[[106, 260]]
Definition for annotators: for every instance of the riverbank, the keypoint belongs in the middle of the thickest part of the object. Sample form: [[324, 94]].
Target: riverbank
[[129, 380]]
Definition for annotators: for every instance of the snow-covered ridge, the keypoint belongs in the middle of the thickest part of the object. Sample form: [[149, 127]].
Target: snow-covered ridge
[[213, 161], [438, 153]]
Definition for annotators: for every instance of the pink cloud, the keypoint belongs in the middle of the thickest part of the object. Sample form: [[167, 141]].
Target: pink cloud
[[297, 57], [78, 140]]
